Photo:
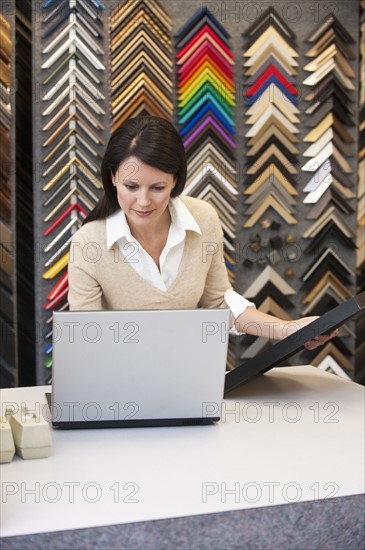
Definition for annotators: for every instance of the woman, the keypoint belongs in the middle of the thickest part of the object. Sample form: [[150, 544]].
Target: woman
[[145, 247]]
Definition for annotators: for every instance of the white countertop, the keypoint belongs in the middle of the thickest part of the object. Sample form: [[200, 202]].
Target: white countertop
[[294, 434]]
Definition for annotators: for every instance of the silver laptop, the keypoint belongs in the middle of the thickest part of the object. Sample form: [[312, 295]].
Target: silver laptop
[[138, 368]]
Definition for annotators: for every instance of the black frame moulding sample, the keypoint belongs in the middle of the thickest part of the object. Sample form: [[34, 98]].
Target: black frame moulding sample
[[284, 349]]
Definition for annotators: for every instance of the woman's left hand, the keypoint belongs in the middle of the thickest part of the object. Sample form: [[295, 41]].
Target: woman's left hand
[[317, 340], [320, 340]]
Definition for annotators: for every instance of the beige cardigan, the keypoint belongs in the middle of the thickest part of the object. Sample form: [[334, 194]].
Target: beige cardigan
[[103, 279]]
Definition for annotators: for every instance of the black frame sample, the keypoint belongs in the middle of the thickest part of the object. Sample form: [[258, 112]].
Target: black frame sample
[[290, 345]]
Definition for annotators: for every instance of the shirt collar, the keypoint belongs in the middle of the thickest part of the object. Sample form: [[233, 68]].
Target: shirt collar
[[182, 217], [181, 220], [116, 228]]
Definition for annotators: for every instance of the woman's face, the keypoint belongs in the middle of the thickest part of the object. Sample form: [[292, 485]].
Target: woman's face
[[143, 192]]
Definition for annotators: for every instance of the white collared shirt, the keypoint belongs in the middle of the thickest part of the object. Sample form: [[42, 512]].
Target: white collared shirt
[[117, 230]]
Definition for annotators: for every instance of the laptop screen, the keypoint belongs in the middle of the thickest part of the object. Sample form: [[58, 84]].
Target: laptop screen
[[138, 367]]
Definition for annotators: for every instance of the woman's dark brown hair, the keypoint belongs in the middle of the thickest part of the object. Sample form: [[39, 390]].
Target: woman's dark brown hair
[[154, 141]]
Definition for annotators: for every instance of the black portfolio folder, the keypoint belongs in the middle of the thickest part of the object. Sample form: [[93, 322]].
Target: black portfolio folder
[[290, 345]]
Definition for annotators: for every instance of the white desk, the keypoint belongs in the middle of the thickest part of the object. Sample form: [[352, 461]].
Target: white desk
[[293, 435]]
